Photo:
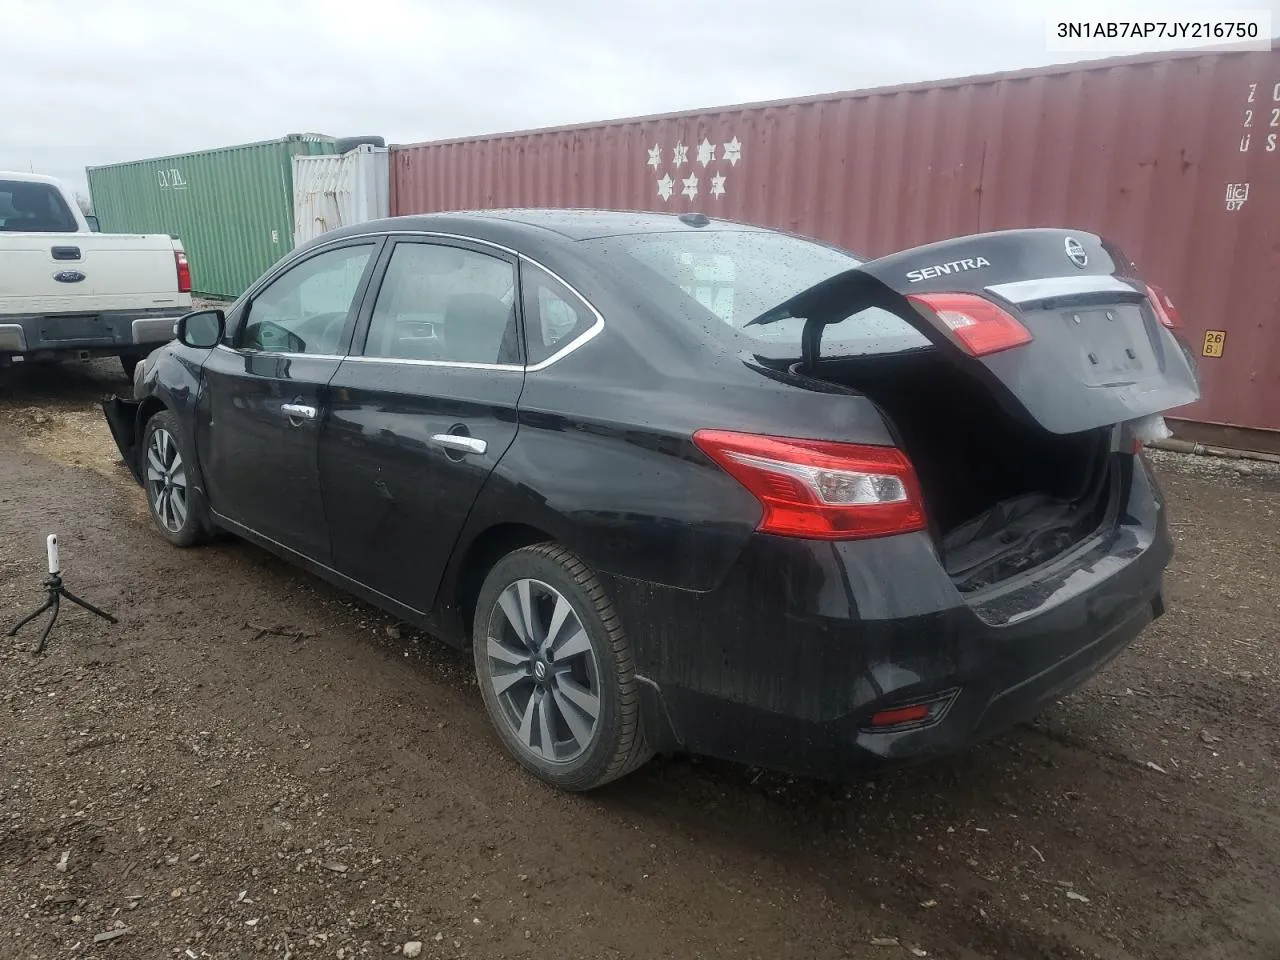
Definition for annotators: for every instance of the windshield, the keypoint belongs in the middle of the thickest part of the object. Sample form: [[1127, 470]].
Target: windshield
[[27, 207], [739, 275]]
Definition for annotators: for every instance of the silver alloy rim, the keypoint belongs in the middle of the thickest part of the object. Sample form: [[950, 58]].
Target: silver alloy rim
[[543, 671], [167, 481]]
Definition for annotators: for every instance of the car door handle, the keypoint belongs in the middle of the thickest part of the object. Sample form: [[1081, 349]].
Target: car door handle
[[452, 441], [298, 411]]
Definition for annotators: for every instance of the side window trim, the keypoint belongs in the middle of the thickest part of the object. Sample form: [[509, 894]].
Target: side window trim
[[245, 307], [360, 334], [386, 240]]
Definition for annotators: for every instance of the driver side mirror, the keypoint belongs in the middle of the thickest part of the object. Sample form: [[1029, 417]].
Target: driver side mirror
[[92, 221], [202, 330]]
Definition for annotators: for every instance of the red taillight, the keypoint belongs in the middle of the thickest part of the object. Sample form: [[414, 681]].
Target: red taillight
[[184, 271], [979, 325], [1166, 312], [820, 489]]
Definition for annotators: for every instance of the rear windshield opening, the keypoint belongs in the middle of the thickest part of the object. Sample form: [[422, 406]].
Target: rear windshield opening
[[738, 275], [27, 207]]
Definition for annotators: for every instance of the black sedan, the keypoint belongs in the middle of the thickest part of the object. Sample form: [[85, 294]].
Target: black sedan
[[688, 485]]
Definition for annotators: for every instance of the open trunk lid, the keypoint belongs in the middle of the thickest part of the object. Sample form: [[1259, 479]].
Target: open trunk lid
[[1083, 345]]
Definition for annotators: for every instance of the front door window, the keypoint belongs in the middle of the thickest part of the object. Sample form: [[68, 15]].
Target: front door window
[[305, 309]]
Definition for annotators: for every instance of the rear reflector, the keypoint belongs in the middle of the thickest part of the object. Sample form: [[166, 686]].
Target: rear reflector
[[979, 325], [819, 489], [899, 715], [912, 714], [1166, 312], [184, 271]]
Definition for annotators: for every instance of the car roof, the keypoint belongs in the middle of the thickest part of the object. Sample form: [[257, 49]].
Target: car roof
[[538, 224], [585, 224]]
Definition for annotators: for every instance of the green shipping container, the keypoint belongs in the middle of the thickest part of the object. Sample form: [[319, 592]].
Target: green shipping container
[[231, 207]]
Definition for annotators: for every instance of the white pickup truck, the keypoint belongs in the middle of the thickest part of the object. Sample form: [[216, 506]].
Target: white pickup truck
[[69, 291]]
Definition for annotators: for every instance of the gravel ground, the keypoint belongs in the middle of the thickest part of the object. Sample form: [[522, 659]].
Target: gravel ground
[[207, 303], [252, 764]]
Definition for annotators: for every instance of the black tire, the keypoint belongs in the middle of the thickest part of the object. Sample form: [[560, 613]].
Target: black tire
[[616, 745], [182, 527]]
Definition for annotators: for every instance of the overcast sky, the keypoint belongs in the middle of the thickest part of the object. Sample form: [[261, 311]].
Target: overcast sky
[[100, 81]]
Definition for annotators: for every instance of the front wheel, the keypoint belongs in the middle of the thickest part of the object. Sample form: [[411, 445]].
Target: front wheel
[[176, 505], [556, 671]]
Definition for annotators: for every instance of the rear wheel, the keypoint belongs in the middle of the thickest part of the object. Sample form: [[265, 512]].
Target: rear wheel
[[177, 508], [556, 671]]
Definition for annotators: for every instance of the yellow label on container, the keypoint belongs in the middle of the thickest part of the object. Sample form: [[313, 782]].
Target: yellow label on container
[[1214, 341]]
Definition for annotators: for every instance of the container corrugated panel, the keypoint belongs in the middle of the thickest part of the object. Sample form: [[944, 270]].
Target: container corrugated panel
[[1174, 157], [232, 207], [337, 191]]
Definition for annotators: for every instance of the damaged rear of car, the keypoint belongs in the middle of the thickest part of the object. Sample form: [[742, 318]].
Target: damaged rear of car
[[1009, 546], [1027, 384]]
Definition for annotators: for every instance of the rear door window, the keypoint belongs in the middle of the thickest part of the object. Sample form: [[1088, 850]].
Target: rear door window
[[445, 304], [27, 207]]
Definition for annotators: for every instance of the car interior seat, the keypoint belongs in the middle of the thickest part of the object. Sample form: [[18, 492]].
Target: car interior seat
[[480, 328]]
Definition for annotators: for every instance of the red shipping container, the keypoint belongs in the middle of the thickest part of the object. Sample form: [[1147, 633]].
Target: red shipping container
[[1176, 157]]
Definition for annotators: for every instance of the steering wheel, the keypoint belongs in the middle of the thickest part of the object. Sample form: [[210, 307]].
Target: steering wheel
[[326, 328]]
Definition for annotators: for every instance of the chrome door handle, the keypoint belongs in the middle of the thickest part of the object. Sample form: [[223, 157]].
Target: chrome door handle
[[452, 441], [298, 411]]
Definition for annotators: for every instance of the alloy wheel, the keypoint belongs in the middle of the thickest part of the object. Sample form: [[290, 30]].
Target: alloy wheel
[[544, 671], [167, 480]]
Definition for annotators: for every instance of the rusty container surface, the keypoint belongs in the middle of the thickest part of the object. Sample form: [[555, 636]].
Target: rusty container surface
[[1175, 157]]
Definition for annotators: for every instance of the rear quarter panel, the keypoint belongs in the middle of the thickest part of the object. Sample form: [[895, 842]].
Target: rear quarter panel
[[604, 461]]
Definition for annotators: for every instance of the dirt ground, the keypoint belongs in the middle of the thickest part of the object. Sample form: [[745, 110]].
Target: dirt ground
[[251, 763]]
